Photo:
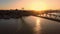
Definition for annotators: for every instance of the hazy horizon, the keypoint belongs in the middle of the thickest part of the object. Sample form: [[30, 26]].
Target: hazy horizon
[[30, 4]]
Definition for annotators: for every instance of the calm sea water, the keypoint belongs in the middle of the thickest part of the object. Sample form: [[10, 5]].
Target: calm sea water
[[29, 25]]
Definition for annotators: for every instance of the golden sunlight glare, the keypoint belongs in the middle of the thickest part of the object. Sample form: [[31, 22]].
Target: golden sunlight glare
[[37, 28], [38, 6]]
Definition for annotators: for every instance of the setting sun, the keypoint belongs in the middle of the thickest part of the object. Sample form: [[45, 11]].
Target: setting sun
[[38, 6]]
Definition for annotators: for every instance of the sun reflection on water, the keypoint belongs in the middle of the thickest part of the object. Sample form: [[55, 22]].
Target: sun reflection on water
[[37, 26]]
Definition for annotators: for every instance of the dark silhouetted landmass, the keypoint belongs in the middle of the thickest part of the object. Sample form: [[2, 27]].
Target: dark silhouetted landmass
[[6, 14]]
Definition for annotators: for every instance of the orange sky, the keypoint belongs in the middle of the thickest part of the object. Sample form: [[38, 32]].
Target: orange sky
[[30, 4]]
